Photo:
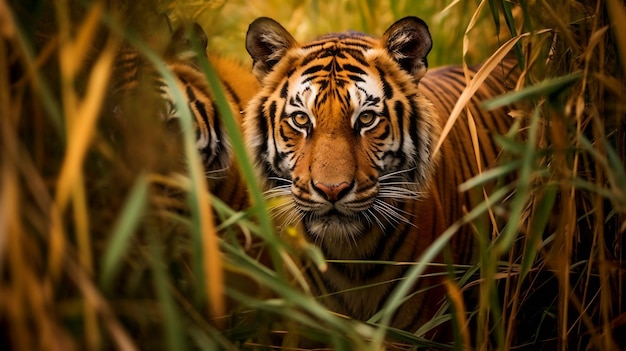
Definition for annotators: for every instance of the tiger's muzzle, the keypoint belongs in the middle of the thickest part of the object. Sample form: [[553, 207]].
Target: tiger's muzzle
[[333, 192]]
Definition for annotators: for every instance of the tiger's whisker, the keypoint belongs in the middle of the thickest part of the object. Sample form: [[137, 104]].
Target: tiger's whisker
[[279, 179], [395, 174], [392, 213], [369, 213]]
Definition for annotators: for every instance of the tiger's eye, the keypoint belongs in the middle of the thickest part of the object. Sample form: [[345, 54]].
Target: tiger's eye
[[366, 118], [300, 120]]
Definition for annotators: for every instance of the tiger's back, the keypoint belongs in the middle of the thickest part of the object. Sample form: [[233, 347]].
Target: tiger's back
[[458, 160], [344, 127]]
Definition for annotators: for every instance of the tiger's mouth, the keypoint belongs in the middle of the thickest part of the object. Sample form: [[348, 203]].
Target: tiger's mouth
[[333, 212], [347, 215], [334, 223]]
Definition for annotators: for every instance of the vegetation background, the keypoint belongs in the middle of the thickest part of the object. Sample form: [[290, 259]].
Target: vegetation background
[[93, 257]]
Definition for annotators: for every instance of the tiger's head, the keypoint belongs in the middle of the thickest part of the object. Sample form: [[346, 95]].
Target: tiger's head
[[339, 125], [141, 96]]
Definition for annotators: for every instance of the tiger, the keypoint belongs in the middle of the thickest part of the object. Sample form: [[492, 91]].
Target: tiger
[[132, 72], [344, 130]]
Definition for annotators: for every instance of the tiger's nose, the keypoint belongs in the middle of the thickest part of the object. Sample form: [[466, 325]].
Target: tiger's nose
[[332, 192]]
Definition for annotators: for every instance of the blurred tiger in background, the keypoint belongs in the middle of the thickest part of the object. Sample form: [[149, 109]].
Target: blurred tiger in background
[[141, 95], [344, 127]]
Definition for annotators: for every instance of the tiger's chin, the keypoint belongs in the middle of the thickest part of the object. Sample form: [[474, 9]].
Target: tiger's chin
[[334, 227]]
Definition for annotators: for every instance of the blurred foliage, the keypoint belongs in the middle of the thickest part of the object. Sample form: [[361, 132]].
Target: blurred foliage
[[226, 22]]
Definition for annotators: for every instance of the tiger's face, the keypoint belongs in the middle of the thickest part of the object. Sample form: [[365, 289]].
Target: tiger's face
[[339, 125], [141, 95]]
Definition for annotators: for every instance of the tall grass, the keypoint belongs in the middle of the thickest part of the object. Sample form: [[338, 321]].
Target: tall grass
[[99, 249]]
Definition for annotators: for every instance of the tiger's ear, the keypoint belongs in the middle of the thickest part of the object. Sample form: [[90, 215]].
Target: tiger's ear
[[183, 37], [198, 33], [267, 42], [408, 42]]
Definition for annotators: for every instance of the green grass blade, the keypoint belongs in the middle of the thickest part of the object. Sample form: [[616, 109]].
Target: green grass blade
[[495, 13], [519, 201], [400, 292], [413, 339], [295, 298], [612, 163], [174, 336], [124, 228], [540, 219], [230, 217], [490, 174], [50, 104], [245, 164], [547, 88], [510, 22], [275, 306]]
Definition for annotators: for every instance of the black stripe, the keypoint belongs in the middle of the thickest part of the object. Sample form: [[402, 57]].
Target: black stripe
[[387, 89], [262, 126], [232, 93], [312, 69], [284, 89], [201, 108], [189, 91], [216, 125], [354, 69]]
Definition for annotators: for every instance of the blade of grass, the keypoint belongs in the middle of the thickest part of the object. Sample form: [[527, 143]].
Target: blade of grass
[[510, 22], [84, 247], [482, 74], [245, 164], [461, 332], [80, 136], [192, 158], [174, 335], [413, 274], [519, 201], [617, 14], [203, 333], [122, 232], [80, 130], [466, 45], [49, 102], [490, 174], [294, 296], [614, 170], [275, 306], [206, 257], [538, 223], [420, 342], [547, 88], [122, 340], [495, 13], [403, 288]]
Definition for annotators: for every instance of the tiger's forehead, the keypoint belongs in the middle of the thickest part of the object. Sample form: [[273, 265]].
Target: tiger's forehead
[[349, 39], [335, 63], [319, 88], [317, 80], [336, 71], [338, 47]]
